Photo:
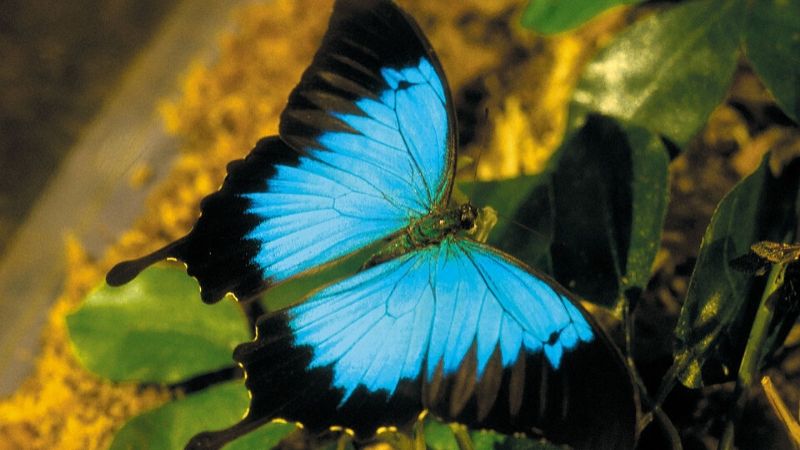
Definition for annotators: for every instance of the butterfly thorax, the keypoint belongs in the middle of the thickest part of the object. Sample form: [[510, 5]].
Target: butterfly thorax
[[427, 230]]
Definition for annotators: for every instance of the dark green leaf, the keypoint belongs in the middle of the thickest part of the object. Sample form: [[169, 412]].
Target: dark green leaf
[[595, 219], [786, 306], [773, 47], [555, 16], [155, 329], [720, 303], [610, 197], [172, 425], [667, 72], [650, 186]]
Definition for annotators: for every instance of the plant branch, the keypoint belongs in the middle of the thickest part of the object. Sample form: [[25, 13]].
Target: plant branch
[[780, 409], [751, 360]]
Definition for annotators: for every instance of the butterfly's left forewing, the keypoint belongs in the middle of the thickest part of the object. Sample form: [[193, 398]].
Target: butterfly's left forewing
[[455, 327], [366, 146]]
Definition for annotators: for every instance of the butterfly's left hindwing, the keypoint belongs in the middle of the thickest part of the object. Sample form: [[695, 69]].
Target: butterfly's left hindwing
[[457, 328]]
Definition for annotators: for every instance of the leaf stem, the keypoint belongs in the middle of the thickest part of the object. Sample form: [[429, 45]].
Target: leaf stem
[[749, 368]]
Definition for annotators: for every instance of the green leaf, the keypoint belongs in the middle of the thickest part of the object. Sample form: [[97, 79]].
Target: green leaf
[[650, 190], [155, 329], [267, 436], [667, 72], [555, 16], [172, 425], [715, 319], [773, 47], [594, 219], [439, 436], [610, 195], [489, 440]]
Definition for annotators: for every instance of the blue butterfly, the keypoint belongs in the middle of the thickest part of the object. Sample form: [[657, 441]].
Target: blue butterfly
[[435, 321]]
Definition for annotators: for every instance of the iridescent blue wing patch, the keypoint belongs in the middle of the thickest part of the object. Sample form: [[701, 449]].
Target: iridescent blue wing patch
[[366, 146], [375, 101], [457, 328]]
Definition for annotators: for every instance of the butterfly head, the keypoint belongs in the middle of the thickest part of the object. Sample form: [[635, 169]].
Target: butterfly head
[[467, 215]]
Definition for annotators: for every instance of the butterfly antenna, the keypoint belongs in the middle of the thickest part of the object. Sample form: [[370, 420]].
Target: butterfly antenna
[[482, 147], [524, 227]]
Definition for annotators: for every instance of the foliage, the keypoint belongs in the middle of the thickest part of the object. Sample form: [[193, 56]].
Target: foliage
[[597, 213], [153, 330], [553, 16], [173, 424], [596, 216], [761, 207]]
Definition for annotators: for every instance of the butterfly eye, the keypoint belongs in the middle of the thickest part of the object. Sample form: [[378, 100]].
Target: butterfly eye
[[468, 215]]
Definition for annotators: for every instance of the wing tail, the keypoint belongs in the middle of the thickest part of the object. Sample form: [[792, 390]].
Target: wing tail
[[126, 271], [218, 251]]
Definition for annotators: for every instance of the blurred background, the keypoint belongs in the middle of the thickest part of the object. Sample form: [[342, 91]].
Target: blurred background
[[81, 139]]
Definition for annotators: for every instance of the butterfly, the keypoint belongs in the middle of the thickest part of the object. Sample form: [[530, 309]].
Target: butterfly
[[435, 321]]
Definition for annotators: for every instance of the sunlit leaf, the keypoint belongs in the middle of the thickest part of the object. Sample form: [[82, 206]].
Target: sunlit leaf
[[155, 329], [172, 425], [667, 72], [719, 307], [555, 16]]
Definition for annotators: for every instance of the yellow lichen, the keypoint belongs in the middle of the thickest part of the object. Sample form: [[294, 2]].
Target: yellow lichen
[[223, 111], [61, 405]]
